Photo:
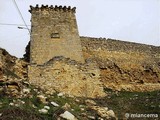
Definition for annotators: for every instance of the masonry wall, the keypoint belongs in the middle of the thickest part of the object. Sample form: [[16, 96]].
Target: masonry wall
[[124, 64], [151, 54], [54, 33], [117, 45], [68, 76]]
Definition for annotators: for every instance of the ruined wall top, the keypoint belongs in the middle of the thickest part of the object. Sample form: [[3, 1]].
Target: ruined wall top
[[54, 8], [118, 45]]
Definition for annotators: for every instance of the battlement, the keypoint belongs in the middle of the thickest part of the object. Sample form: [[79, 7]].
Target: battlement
[[52, 8]]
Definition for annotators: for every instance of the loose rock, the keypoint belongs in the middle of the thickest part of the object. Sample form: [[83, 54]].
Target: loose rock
[[46, 107], [26, 90], [43, 111], [91, 117], [11, 104], [54, 104], [42, 99], [60, 94], [104, 112], [66, 106], [68, 116], [111, 113], [90, 102]]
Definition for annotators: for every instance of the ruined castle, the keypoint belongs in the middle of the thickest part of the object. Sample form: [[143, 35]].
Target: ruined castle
[[63, 61]]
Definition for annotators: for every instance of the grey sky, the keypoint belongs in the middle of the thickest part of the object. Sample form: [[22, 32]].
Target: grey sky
[[128, 20]]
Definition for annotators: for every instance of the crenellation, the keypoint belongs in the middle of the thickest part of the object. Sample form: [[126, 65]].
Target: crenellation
[[65, 8], [52, 8]]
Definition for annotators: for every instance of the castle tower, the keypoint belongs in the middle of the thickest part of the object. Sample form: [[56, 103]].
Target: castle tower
[[54, 33]]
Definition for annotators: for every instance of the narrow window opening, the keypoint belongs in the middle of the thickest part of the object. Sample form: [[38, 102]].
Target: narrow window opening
[[55, 35]]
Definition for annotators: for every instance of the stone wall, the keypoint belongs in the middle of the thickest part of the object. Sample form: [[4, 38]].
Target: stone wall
[[54, 33], [117, 45], [68, 76], [124, 63]]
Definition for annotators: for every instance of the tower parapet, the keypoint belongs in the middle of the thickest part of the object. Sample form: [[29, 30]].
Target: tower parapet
[[56, 8]]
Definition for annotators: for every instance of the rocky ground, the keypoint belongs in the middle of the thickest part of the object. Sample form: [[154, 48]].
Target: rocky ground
[[22, 101]]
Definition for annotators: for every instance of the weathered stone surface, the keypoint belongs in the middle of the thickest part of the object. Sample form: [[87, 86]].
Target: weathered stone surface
[[10, 88], [68, 76], [124, 65], [14, 88], [11, 67]]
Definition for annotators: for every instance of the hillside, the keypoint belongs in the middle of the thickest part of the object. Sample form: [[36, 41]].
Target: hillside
[[21, 100]]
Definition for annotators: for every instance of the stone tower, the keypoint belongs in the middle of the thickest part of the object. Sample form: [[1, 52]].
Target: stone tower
[[54, 33]]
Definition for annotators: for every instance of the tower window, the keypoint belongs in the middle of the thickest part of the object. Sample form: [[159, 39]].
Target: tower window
[[55, 35]]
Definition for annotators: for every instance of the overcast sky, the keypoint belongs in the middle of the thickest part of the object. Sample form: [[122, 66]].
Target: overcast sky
[[128, 20]]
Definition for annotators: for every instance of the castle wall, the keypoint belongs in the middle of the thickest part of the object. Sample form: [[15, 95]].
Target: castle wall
[[117, 45], [68, 76], [124, 64], [120, 50], [54, 33]]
